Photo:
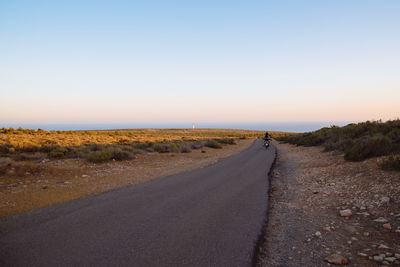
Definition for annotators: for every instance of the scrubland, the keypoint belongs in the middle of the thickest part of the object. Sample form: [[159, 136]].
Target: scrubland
[[102, 146], [357, 141]]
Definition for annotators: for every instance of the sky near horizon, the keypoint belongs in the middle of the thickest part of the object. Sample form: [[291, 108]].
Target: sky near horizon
[[199, 61]]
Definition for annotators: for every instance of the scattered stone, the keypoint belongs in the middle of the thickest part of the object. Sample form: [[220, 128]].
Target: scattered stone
[[363, 208], [382, 246], [366, 234], [327, 229], [387, 226], [318, 234], [380, 220], [85, 175], [397, 255], [385, 199], [390, 259], [336, 259], [378, 258], [362, 254], [354, 238], [308, 239], [45, 187], [346, 213]]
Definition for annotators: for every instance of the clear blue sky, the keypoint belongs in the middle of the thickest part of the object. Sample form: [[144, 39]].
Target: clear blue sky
[[199, 61]]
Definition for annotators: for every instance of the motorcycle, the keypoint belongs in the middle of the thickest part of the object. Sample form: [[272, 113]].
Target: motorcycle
[[267, 142]]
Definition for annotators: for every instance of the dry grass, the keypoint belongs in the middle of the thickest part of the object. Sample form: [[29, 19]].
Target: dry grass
[[102, 146]]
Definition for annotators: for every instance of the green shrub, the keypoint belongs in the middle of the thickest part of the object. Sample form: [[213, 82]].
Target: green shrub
[[357, 141], [162, 148], [58, 152], [213, 144], [368, 147], [99, 156], [391, 163], [108, 154]]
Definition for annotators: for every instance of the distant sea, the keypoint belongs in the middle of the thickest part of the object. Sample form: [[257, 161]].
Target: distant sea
[[273, 126]]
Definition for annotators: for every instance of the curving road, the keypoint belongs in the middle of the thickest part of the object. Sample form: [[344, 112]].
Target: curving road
[[208, 217]]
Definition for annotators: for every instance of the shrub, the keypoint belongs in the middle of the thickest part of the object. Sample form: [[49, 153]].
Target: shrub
[[213, 144], [357, 141], [185, 149], [108, 154], [58, 152], [99, 156], [162, 148], [391, 163], [368, 147], [197, 145]]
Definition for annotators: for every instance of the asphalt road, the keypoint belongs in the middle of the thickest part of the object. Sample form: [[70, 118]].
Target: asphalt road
[[208, 217]]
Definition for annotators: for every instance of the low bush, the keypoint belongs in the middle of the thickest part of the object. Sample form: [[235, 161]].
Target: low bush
[[391, 163], [357, 141], [213, 144], [108, 154]]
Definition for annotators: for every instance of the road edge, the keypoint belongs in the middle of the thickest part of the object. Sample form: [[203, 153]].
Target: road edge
[[261, 239]]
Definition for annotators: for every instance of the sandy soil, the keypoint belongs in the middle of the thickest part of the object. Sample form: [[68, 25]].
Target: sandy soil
[[51, 182], [305, 226]]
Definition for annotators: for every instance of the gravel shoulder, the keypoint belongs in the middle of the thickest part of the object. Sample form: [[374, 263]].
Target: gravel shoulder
[[324, 209]]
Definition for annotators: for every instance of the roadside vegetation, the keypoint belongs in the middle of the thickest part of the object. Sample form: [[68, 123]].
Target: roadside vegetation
[[357, 141], [102, 146]]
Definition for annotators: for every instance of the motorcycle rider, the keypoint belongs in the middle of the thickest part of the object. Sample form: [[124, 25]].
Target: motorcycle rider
[[266, 137]]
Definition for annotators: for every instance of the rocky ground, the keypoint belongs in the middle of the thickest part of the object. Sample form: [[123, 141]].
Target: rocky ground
[[325, 211], [30, 185]]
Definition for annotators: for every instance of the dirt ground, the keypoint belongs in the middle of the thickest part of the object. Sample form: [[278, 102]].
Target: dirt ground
[[321, 205], [54, 181]]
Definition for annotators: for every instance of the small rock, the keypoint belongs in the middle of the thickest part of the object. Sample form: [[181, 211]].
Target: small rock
[[308, 239], [354, 238], [382, 246], [390, 259], [45, 187], [378, 258], [327, 229], [397, 255], [387, 226], [385, 199], [346, 213], [85, 175], [336, 259], [366, 234], [362, 254], [318, 234], [380, 220], [363, 208]]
